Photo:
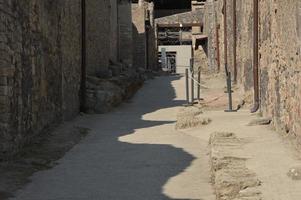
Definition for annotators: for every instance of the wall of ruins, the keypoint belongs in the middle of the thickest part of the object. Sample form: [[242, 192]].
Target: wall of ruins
[[39, 67], [114, 31], [41, 60], [280, 64], [280, 61], [125, 32], [97, 38], [138, 17], [144, 40]]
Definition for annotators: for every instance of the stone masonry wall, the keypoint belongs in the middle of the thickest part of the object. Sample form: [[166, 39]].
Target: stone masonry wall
[[39, 67], [144, 40], [280, 64], [114, 34], [138, 17], [125, 32], [280, 61], [244, 38], [97, 37]]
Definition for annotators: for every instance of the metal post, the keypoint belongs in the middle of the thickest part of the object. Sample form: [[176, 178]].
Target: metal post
[[199, 84], [192, 80], [217, 48], [229, 91], [187, 85], [181, 36]]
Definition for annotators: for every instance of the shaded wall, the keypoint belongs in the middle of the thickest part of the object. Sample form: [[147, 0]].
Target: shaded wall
[[139, 36], [40, 67], [125, 32], [144, 36], [114, 34], [97, 38]]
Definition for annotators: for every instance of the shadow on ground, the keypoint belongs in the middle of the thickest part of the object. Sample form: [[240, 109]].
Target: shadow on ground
[[103, 168]]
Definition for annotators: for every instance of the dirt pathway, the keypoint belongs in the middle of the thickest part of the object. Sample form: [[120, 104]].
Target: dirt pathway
[[132, 153]]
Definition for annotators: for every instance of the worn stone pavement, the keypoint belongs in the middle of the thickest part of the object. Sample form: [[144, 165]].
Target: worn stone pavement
[[132, 153]]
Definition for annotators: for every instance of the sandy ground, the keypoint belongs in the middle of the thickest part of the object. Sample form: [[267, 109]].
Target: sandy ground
[[132, 153]]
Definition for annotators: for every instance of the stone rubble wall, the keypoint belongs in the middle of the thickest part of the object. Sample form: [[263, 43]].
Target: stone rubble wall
[[125, 32], [280, 60], [114, 33], [138, 17], [41, 64], [144, 38], [280, 64], [97, 37], [39, 67]]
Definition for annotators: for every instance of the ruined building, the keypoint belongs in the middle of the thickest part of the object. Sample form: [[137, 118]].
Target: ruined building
[[60, 56], [260, 41]]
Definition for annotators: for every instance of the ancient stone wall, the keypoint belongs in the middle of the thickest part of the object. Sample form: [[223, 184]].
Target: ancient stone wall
[[125, 32], [114, 34], [280, 61], [214, 27], [138, 17], [280, 64], [40, 67], [144, 40], [209, 31], [97, 38]]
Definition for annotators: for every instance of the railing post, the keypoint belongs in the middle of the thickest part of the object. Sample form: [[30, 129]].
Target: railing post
[[192, 80], [187, 85], [199, 84], [229, 91]]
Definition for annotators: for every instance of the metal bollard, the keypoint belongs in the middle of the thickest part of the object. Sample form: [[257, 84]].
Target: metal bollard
[[199, 85], [229, 91], [187, 85], [192, 80], [192, 86]]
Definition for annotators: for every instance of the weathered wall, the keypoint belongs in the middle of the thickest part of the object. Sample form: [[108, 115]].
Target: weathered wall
[[151, 36], [139, 37], [280, 61], [209, 30], [144, 40], [214, 28], [125, 32], [114, 33], [280, 64], [97, 37], [40, 67]]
